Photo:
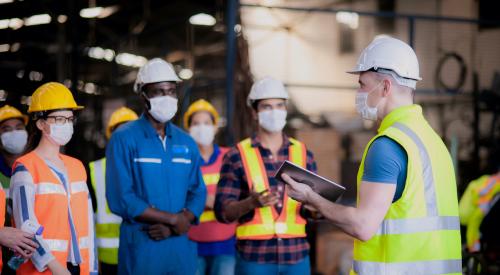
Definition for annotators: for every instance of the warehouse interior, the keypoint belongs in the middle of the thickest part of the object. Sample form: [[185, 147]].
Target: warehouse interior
[[220, 47]]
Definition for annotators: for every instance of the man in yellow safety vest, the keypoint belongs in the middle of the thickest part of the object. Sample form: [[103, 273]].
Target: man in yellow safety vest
[[271, 226], [406, 217], [107, 224]]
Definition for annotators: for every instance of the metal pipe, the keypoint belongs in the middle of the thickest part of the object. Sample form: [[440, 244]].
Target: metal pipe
[[411, 32], [232, 14]]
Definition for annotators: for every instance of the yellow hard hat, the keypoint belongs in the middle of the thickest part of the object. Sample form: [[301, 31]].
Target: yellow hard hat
[[121, 115], [52, 96], [8, 112], [200, 105]]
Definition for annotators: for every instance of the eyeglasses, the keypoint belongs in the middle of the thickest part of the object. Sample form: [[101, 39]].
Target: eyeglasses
[[60, 120]]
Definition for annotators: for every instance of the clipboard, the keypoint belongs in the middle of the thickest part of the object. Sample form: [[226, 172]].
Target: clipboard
[[323, 186]]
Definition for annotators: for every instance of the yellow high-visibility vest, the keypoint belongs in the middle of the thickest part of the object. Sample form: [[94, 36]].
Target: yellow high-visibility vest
[[420, 233], [266, 223], [475, 205], [107, 224]]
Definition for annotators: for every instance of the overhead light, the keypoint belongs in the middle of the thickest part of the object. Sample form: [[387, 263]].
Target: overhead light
[[89, 88], [202, 19], [186, 74], [4, 48], [15, 47], [131, 60], [62, 18], [15, 23], [26, 100], [350, 19], [6, 1], [3, 95], [38, 19], [98, 12], [100, 53], [4, 23], [35, 76]]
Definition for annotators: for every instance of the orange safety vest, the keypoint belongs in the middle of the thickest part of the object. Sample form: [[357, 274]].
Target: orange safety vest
[[51, 209], [209, 230], [266, 223]]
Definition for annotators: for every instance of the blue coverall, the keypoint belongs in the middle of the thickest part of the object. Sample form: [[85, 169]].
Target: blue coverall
[[141, 172]]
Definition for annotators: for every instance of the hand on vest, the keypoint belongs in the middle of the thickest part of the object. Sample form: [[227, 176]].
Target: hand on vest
[[18, 240], [181, 222], [264, 199], [159, 231]]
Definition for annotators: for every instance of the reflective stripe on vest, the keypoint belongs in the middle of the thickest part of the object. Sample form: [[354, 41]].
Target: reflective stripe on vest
[[420, 233], [211, 181], [266, 224], [418, 267], [107, 223], [108, 242]]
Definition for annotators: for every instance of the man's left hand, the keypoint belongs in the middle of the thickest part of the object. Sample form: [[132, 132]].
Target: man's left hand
[[159, 231], [296, 190]]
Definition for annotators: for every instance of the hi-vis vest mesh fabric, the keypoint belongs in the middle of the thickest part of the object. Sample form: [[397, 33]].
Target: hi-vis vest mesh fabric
[[107, 224], [420, 233], [266, 224], [51, 208], [209, 229], [475, 204]]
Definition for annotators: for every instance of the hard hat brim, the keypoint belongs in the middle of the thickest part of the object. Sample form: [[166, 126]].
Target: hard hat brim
[[74, 108]]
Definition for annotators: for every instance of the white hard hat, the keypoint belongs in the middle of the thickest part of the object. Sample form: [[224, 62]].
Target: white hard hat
[[267, 88], [156, 70], [390, 54]]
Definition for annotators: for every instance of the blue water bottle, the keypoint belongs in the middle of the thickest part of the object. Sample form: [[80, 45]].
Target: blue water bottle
[[28, 226]]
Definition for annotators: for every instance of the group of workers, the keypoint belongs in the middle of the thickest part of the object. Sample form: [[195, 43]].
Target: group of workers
[[171, 201]]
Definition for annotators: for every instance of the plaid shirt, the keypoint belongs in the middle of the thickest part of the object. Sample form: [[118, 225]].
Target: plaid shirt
[[233, 186]]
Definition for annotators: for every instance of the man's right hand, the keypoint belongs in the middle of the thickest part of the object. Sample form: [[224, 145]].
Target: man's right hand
[[18, 240], [264, 199], [180, 223]]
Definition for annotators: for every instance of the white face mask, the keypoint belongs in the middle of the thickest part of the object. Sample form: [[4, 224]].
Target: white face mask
[[14, 141], [61, 134], [366, 112], [272, 120], [203, 134], [163, 108]]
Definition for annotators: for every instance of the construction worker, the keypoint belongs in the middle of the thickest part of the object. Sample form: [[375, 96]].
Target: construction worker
[[107, 224], [154, 181], [271, 236], [50, 188], [475, 204], [216, 241], [13, 137], [406, 217]]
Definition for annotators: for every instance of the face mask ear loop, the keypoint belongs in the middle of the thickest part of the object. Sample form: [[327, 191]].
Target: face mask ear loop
[[148, 103]]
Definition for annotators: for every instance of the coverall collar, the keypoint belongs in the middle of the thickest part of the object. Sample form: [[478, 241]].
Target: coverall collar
[[150, 131]]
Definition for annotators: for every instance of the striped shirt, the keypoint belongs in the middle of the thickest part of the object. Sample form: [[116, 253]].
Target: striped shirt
[[233, 186], [22, 191]]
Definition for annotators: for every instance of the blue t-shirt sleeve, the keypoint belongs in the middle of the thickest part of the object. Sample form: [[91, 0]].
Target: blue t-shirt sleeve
[[386, 162]]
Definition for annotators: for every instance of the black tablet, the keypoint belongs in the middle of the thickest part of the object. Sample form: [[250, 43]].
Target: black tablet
[[325, 187]]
